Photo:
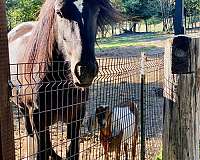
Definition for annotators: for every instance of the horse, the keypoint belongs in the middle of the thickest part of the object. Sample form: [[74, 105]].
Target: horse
[[52, 64]]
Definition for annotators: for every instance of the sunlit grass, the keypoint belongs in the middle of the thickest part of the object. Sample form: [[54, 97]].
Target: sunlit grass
[[126, 41], [123, 44], [159, 156]]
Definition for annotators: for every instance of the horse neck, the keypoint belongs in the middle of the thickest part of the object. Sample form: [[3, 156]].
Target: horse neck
[[63, 67]]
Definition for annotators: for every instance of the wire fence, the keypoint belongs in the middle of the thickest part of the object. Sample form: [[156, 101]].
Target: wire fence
[[113, 112], [191, 24], [153, 106]]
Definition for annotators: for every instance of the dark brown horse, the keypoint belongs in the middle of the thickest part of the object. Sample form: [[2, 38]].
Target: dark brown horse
[[56, 63]]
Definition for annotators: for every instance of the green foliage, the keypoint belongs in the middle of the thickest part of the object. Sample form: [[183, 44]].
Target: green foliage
[[21, 11], [118, 4], [151, 11], [142, 8], [154, 20], [192, 7]]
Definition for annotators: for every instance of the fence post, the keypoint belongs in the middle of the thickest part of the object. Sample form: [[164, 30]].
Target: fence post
[[142, 73], [182, 99], [6, 123]]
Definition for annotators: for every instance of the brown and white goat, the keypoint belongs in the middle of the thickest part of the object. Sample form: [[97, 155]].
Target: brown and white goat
[[116, 126]]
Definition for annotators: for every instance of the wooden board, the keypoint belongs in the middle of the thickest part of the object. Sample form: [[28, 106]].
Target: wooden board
[[6, 122]]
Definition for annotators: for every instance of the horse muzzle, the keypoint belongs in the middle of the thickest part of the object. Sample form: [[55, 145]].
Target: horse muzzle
[[85, 73]]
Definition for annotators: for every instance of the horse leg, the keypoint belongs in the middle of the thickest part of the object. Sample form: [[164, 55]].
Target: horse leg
[[126, 150], [73, 153], [28, 125], [51, 151], [31, 136], [44, 143], [39, 122]]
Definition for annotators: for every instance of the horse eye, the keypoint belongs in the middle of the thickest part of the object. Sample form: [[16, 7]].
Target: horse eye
[[59, 13], [98, 10]]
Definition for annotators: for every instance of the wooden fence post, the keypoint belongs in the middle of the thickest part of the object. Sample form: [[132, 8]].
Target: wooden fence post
[[6, 122], [182, 99]]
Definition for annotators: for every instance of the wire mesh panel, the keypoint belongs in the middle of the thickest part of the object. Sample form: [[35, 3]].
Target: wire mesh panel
[[116, 86], [108, 113], [153, 106]]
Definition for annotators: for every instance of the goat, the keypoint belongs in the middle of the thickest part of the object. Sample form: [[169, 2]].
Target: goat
[[117, 125]]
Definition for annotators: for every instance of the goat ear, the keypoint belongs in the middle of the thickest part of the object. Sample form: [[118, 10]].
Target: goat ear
[[98, 110], [107, 108]]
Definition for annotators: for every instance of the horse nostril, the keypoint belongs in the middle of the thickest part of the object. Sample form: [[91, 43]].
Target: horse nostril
[[80, 71], [86, 73], [96, 68]]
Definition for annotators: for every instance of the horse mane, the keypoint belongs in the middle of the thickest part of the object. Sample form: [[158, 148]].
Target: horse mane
[[40, 46], [108, 14]]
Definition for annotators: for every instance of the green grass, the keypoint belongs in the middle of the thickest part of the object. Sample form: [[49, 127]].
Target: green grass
[[159, 156], [125, 41]]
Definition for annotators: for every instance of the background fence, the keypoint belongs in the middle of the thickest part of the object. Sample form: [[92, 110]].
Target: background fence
[[118, 82], [191, 23]]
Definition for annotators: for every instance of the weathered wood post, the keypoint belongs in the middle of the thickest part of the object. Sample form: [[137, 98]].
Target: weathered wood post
[[6, 123], [182, 99]]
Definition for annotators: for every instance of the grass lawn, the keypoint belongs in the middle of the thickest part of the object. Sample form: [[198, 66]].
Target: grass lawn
[[159, 156], [129, 40]]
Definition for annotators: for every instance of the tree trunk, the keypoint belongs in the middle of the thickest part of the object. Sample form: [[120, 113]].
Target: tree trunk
[[7, 150], [112, 28], [146, 25], [182, 99], [134, 27], [164, 25], [103, 33]]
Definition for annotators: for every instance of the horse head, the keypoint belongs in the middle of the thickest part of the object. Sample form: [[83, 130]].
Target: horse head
[[76, 27], [66, 31]]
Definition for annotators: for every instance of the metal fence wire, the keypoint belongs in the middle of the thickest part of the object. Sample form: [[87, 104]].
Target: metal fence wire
[[111, 127]]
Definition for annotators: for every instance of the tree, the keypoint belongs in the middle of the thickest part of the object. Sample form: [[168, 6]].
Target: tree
[[141, 9], [21, 11], [167, 9], [192, 7]]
